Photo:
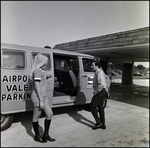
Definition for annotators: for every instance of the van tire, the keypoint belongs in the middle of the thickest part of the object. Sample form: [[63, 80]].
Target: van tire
[[6, 121]]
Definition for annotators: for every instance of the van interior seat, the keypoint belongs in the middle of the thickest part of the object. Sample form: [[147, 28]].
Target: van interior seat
[[66, 78], [58, 74], [69, 78]]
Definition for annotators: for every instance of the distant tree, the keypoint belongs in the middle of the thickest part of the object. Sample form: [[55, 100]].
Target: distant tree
[[141, 67]]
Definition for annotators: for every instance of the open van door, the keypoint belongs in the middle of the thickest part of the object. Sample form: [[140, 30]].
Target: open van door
[[86, 80]]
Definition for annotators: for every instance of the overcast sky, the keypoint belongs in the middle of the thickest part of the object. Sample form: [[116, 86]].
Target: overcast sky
[[40, 23]]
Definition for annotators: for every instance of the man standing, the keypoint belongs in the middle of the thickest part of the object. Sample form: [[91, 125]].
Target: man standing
[[99, 86]]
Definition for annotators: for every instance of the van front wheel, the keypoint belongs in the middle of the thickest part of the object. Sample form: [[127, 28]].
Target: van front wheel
[[6, 121]]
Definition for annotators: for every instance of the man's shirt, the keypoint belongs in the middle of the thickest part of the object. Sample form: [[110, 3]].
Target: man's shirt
[[99, 81]]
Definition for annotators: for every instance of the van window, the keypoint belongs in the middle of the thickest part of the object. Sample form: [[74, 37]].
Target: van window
[[74, 64], [87, 64], [48, 66], [62, 62], [13, 59]]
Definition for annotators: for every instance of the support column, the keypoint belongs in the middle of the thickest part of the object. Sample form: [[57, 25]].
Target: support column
[[104, 65], [127, 76]]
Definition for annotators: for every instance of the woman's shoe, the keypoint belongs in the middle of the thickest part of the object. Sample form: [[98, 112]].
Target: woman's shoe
[[37, 136], [47, 137], [46, 134]]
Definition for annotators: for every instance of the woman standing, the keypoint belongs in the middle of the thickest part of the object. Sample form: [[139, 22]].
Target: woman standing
[[40, 99]]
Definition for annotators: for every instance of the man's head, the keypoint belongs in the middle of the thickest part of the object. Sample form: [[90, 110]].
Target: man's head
[[95, 65]]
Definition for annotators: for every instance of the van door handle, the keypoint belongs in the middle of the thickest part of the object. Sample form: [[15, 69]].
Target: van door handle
[[48, 76], [84, 76]]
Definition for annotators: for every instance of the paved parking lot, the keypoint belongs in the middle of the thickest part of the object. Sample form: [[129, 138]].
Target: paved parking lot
[[127, 123]]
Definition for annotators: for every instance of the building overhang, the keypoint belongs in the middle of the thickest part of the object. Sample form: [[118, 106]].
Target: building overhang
[[128, 46], [132, 53]]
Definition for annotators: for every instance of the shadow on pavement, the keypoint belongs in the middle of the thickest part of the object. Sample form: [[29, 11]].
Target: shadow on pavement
[[81, 119], [26, 117], [72, 111], [26, 120]]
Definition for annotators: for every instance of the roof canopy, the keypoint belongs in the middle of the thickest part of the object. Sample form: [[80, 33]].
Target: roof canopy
[[124, 46]]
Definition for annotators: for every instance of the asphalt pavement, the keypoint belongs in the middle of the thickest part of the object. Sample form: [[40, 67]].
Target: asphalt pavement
[[134, 94], [127, 123]]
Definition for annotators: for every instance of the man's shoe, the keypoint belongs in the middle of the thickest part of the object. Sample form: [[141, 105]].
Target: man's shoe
[[98, 125], [103, 126], [39, 139]]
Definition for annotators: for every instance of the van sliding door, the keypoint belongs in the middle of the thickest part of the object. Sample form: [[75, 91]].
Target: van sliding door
[[86, 80]]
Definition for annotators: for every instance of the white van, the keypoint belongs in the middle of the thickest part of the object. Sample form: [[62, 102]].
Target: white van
[[69, 79], [147, 74]]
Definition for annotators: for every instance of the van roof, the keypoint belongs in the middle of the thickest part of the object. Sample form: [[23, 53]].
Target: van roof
[[33, 48]]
